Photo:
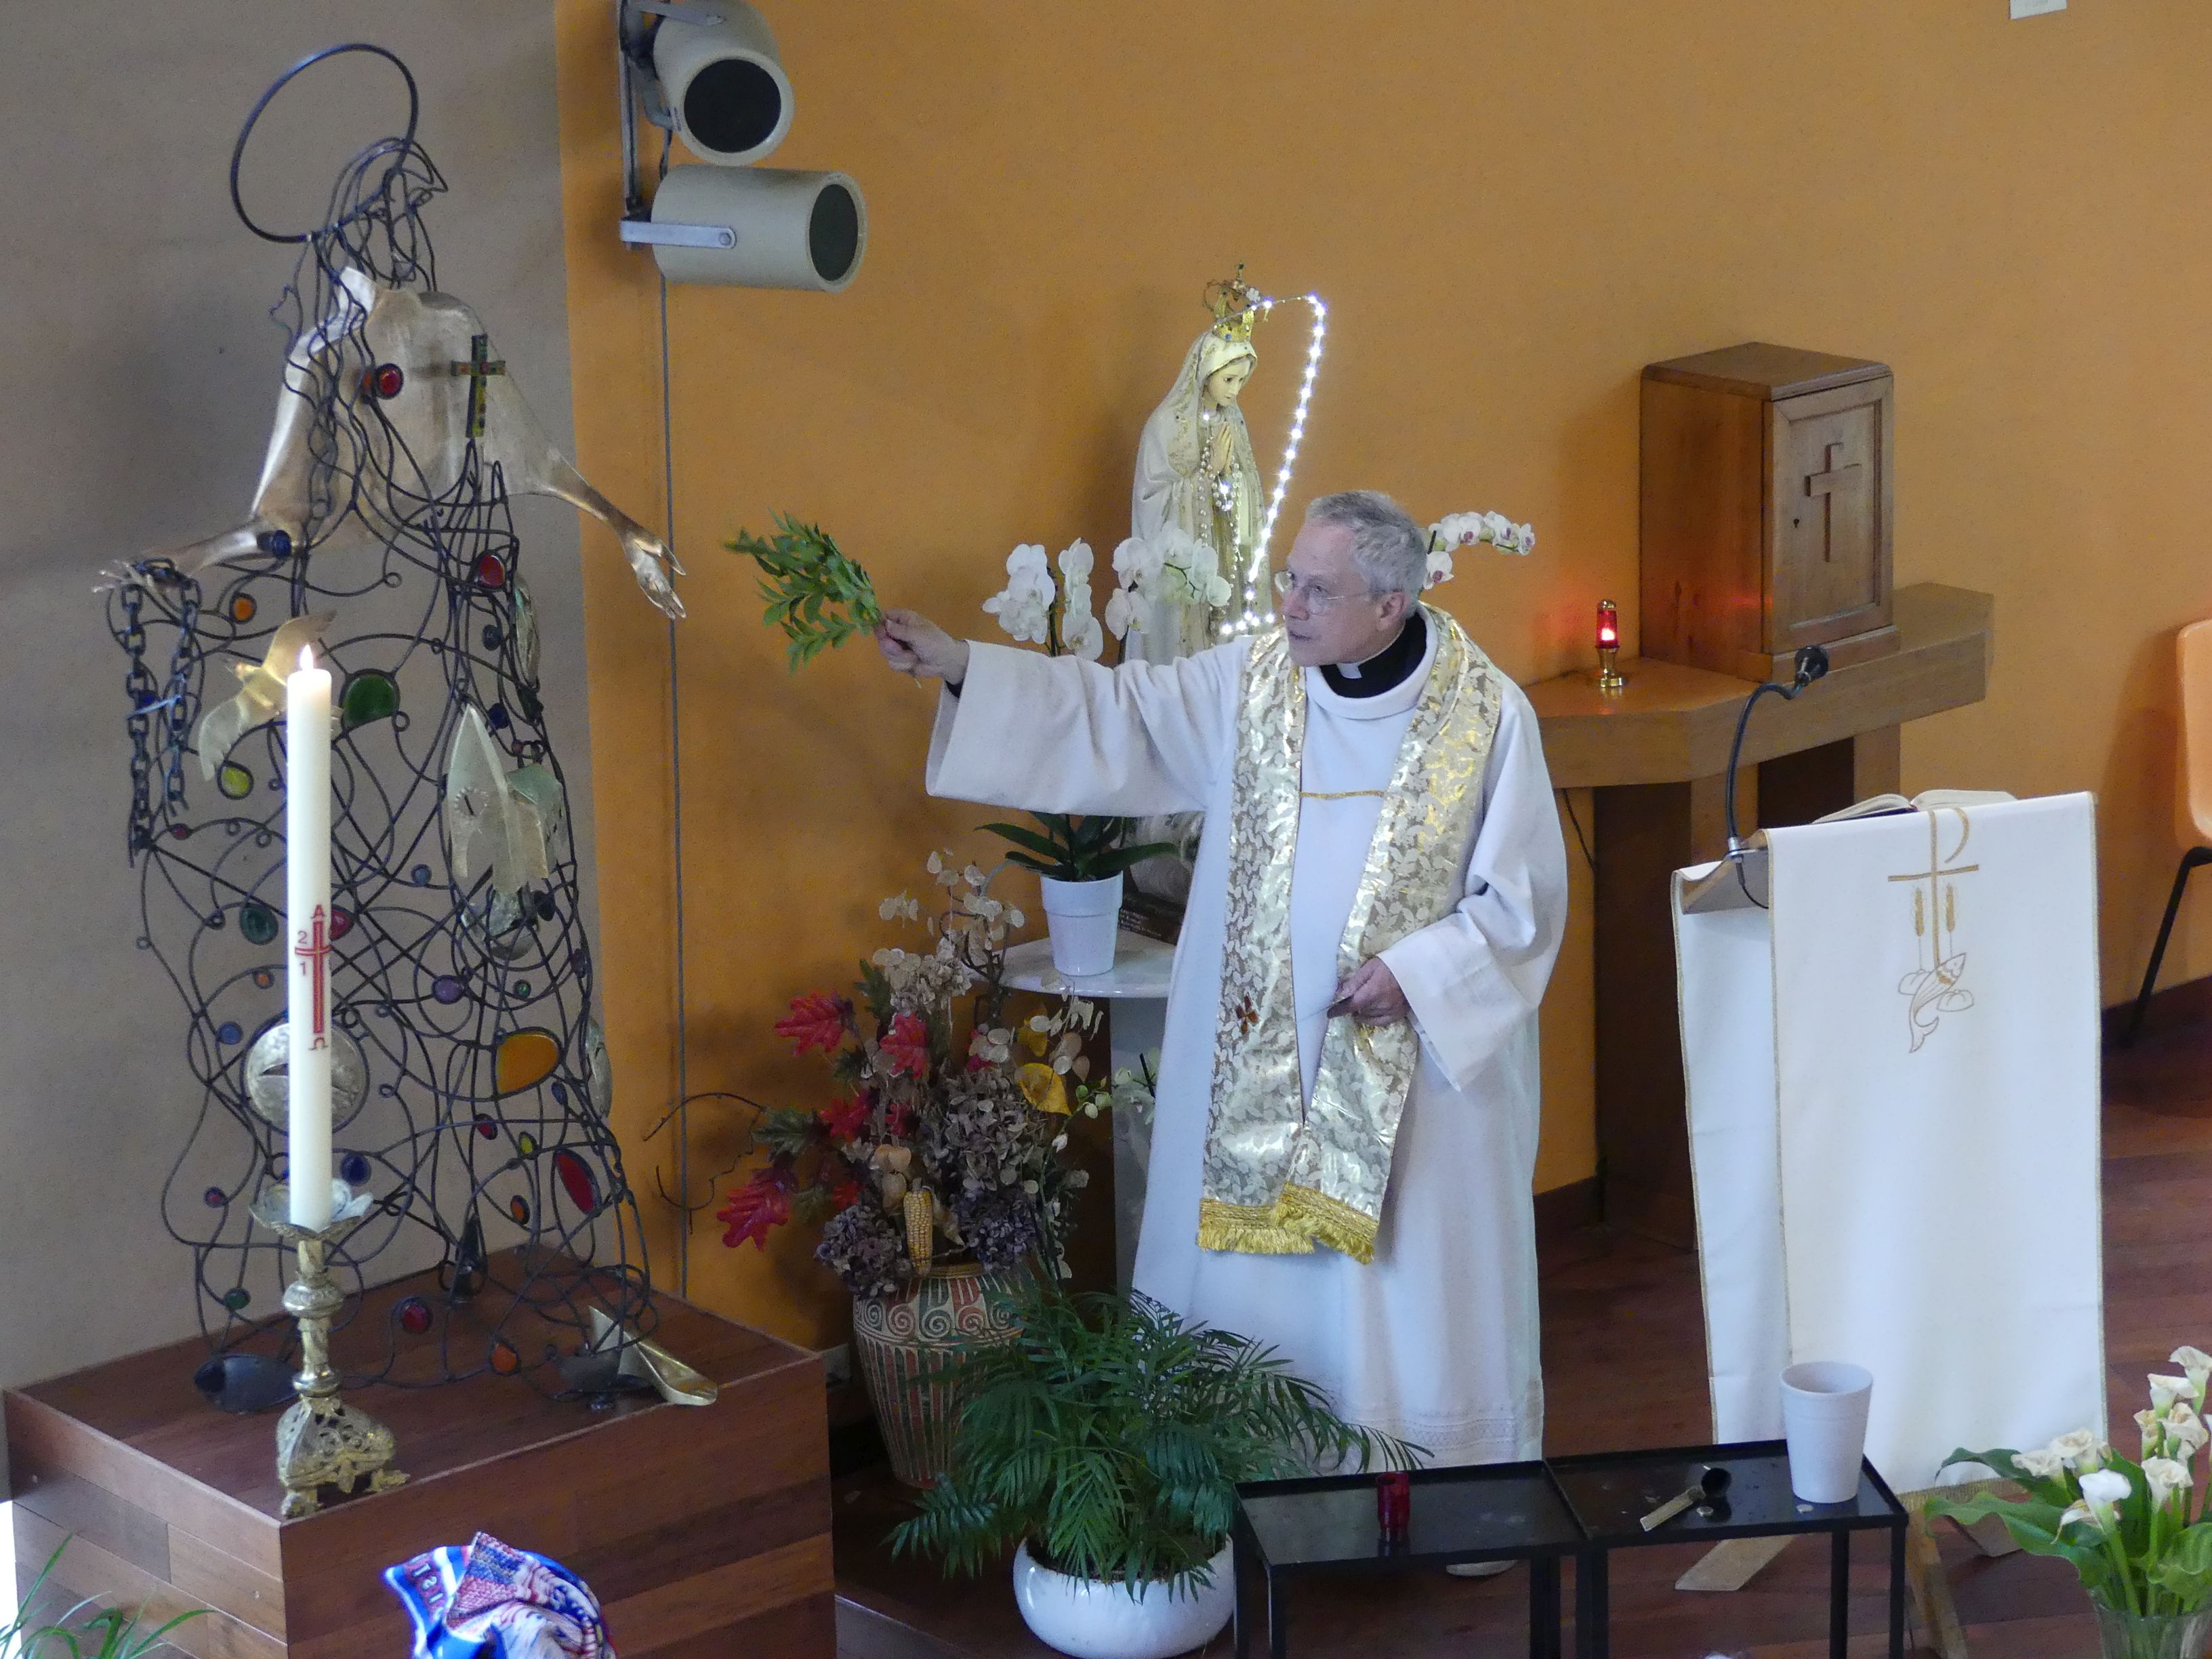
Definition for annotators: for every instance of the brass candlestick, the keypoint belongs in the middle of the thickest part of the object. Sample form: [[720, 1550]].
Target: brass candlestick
[[1609, 676], [320, 1440]]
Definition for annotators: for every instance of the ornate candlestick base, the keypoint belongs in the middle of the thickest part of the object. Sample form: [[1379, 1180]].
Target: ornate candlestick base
[[321, 1441], [1609, 676]]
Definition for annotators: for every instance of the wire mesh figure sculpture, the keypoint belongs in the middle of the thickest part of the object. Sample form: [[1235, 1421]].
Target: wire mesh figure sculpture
[[472, 1079]]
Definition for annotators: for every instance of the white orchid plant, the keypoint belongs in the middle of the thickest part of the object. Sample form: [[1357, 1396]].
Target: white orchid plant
[[2139, 1533], [1039, 608], [1173, 566], [1455, 531]]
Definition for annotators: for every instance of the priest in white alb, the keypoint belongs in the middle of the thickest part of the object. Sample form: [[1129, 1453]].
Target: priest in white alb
[[1345, 1137]]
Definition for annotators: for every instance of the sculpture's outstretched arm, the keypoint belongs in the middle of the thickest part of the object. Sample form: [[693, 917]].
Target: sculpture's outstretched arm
[[279, 516], [533, 466], [651, 559], [280, 500]]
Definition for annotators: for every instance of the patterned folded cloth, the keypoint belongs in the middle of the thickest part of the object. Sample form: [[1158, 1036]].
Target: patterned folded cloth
[[491, 1600]]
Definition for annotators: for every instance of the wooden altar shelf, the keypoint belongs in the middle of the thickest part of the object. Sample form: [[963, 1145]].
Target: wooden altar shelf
[[1671, 724], [703, 1530], [1655, 754]]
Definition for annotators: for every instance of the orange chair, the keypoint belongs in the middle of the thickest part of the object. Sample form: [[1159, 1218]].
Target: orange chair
[[2192, 793]]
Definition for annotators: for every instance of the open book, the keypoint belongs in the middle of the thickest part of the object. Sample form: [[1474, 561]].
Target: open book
[[1928, 801], [1740, 879]]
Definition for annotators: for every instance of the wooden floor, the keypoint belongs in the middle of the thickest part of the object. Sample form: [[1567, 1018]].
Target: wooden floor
[[1623, 1366]]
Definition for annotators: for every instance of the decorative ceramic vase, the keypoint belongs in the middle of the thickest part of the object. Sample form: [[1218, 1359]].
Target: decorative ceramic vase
[[1083, 918], [910, 1346], [2152, 1636], [1089, 1619]]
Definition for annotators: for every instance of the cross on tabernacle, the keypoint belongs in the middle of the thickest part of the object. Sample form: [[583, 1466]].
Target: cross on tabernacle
[[1825, 485], [313, 952], [480, 363]]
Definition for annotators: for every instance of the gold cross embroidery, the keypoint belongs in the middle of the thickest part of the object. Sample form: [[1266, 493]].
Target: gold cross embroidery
[[1932, 987]]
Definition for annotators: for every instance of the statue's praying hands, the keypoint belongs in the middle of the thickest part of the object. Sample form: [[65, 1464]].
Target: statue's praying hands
[[434, 386]]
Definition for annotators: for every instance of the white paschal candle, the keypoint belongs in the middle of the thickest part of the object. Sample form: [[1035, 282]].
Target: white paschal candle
[[307, 925]]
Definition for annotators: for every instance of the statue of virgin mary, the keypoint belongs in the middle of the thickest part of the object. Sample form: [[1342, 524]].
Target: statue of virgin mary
[[1195, 473]]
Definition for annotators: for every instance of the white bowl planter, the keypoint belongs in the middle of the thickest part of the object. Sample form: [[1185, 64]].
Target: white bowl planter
[[1084, 918], [1088, 1618]]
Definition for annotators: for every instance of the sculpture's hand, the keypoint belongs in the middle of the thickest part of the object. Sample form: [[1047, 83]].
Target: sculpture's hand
[[654, 564], [148, 573], [912, 644]]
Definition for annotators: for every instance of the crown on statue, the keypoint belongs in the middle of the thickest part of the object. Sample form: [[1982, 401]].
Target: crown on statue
[[1235, 304]]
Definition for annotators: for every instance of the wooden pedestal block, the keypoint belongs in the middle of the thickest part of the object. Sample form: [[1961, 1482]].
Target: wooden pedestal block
[[703, 1530]]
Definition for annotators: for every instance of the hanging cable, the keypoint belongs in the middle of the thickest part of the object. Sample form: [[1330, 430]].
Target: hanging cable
[[1812, 662]]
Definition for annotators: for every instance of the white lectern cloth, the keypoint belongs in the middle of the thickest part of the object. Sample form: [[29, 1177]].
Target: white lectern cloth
[[1893, 1105]]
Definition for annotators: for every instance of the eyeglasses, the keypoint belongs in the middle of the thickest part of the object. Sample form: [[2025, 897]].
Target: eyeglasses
[[1317, 598]]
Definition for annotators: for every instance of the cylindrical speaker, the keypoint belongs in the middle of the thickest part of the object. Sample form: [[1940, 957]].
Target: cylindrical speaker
[[724, 83], [794, 229]]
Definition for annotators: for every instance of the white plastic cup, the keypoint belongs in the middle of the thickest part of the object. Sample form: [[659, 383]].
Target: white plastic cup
[[1824, 1417], [1085, 918]]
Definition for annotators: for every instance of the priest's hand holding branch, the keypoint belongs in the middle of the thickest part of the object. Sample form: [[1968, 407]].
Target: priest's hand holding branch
[[912, 644], [1371, 996]]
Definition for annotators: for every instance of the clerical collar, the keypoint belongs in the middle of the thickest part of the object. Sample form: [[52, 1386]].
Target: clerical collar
[[1386, 668]]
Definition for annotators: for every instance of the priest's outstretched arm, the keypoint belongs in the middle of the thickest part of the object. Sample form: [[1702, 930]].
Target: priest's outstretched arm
[[1057, 734], [1472, 977]]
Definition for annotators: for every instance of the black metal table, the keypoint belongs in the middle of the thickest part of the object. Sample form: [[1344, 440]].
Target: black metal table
[[1610, 1492], [1583, 1507], [1287, 1529]]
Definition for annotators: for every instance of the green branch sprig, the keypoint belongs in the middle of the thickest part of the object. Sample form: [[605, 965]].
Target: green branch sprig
[[815, 595]]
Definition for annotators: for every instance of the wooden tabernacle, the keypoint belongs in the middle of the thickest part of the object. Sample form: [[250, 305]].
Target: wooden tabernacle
[[703, 1530]]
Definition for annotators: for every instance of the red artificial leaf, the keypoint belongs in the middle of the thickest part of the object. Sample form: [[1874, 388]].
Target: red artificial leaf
[[845, 1119], [844, 1195], [762, 1203], [816, 1021], [905, 1047]]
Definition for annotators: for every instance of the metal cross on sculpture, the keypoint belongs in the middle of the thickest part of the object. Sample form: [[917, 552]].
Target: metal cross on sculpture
[[1835, 476], [480, 364], [314, 951]]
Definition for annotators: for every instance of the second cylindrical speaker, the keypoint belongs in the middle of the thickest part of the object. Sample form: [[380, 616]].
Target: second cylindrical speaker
[[804, 230]]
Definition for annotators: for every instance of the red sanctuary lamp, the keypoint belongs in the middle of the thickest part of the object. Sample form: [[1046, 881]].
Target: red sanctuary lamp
[[1609, 676]]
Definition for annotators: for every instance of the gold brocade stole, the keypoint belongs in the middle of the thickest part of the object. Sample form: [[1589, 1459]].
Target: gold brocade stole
[[1282, 1173]]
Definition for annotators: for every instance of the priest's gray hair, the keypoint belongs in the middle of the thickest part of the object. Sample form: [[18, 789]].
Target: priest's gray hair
[[1391, 550]]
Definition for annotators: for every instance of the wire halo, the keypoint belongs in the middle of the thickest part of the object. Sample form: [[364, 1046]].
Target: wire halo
[[238, 150]]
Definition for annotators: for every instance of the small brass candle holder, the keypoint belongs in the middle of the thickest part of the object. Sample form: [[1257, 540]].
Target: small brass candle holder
[[1609, 676], [321, 1441]]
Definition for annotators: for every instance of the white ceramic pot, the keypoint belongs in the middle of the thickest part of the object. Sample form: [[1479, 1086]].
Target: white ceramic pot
[[1090, 1620], [1084, 918]]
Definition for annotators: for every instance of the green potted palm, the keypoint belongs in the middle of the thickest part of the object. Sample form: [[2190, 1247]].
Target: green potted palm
[[1104, 1446]]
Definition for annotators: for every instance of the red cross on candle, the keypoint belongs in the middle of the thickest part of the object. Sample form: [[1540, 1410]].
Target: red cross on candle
[[313, 952]]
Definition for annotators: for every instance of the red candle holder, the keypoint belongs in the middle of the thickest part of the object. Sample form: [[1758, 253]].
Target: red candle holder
[[1393, 1504], [1609, 676]]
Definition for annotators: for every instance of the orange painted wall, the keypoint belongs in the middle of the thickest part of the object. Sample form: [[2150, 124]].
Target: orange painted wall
[[1511, 205]]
